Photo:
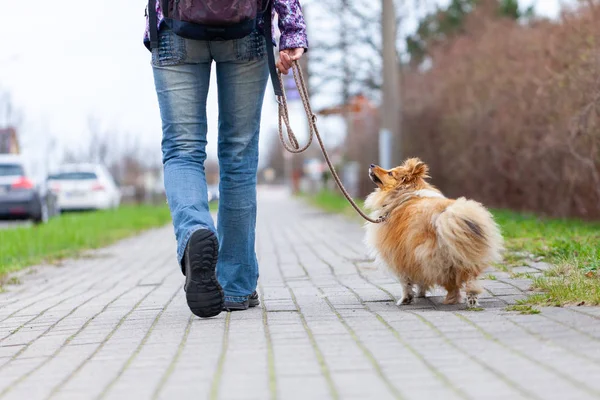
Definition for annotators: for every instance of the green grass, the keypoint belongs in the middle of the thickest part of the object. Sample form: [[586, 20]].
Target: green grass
[[571, 245], [557, 240], [333, 202], [524, 309], [70, 234]]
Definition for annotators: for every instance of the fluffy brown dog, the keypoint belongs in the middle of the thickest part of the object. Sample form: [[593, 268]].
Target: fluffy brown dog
[[428, 239]]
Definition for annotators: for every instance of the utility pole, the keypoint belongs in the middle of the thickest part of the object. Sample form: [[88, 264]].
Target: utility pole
[[344, 46], [390, 136]]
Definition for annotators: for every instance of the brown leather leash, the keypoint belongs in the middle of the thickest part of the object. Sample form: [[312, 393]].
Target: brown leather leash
[[294, 147]]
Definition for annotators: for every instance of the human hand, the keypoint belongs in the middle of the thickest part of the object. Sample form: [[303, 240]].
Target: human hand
[[287, 58]]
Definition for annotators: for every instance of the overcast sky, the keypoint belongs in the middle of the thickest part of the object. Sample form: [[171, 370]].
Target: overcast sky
[[66, 60]]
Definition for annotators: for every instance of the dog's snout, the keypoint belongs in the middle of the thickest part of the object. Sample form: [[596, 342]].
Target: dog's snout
[[372, 165]]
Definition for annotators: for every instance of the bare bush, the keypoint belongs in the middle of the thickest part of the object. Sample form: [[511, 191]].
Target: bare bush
[[510, 113]]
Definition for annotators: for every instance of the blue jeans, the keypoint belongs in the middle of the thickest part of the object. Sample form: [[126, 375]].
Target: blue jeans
[[182, 74]]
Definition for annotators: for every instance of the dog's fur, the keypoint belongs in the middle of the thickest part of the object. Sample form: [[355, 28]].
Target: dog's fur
[[428, 239]]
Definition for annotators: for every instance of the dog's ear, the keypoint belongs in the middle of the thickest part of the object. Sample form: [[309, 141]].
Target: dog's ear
[[415, 169]]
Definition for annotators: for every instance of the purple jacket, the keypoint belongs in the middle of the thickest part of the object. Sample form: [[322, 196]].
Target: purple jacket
[[291, 24]]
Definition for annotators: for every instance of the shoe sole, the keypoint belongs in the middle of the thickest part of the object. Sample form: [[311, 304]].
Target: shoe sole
[[235, 306], [203, 292]]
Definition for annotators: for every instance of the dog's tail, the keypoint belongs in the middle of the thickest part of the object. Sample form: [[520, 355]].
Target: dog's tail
[[468, 234]]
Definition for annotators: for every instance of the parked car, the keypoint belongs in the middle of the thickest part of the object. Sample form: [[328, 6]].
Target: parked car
[[20, 198], [84, 187]]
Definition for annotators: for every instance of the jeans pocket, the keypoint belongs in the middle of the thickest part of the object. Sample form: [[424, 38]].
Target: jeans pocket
[[171, 49], [251, 47]]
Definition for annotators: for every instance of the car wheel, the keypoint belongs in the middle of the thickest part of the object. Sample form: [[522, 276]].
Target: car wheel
[[42, 217], [53, 210]]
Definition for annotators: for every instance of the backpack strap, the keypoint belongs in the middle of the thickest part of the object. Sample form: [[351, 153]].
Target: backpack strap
[[268, 22], [153, 21]]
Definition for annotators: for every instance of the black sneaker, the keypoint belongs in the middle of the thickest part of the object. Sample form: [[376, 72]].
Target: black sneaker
[[202, 290], [252, 301]]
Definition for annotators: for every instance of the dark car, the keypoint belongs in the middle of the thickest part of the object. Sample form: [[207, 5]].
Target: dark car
[[20, 198]]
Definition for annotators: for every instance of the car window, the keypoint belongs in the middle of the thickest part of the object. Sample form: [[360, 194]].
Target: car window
[[11, 170], [73, 176]]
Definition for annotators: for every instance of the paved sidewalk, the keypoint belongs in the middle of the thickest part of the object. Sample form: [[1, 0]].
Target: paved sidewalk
[[115, 325]]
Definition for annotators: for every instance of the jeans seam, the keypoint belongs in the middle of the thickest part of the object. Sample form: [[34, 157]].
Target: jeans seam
[[236, 299]]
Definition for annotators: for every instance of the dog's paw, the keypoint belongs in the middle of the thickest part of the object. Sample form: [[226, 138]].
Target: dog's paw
[[451, 300], [405, 301], [422, 293], [472, 301]]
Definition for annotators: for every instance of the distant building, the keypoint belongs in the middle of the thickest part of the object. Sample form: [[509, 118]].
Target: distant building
[[9, 143]]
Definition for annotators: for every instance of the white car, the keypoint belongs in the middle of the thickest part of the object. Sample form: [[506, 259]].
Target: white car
[[84, 187]]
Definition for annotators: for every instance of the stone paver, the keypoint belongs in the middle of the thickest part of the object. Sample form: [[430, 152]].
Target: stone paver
[[114, 325]]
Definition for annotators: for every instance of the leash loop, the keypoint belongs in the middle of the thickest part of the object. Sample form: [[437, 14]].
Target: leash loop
[[293, 146]]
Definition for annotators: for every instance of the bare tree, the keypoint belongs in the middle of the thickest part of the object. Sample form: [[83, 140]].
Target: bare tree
[[100, 142], [346, 55], [343, 55], [121, 152], [10, 116]]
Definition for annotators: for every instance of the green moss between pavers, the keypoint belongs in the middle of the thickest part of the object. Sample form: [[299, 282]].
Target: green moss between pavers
[[523, 309], [573, 246]]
